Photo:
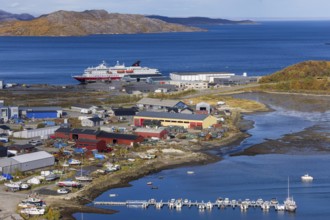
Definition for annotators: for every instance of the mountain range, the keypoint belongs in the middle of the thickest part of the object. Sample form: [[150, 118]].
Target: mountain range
[[6, 16]]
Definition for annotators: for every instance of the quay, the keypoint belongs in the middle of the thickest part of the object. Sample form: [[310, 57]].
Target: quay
[[219, 203]]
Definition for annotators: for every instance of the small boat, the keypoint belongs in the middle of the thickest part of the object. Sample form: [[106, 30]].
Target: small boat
[[68, 183], [33, 211], [13, 185], [32, 200], [63, 191], [279, 207], [74, 162], [84, 178], [190, 172], [25, 186], [51, 177], [154, 187], [113, 195], [307, 178], [289, 203], [149, 183]]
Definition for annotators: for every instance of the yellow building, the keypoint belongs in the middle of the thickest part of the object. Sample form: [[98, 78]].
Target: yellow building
[[175, 119]]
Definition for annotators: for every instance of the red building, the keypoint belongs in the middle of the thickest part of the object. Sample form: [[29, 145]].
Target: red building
[[89, 134], [117, 138], [90, 145], [160, 133]]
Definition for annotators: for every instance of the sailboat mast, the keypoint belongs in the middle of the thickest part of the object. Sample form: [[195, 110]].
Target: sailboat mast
[[288, 187]]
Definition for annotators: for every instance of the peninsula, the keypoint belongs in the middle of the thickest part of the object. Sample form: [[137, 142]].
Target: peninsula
[[70, 23]]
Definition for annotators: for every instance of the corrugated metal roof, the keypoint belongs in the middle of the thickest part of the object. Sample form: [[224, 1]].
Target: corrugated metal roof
[[160, 102], [117, 136], [98, 133], [40, 108], [32, 156], [170, 115], [5, 162], [78, 131]]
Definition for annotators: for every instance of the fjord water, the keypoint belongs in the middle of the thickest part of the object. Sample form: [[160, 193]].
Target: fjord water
[[256, 49], [241, 177]]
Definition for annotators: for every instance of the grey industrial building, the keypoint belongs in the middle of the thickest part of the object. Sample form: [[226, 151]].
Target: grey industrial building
[[27, 162]]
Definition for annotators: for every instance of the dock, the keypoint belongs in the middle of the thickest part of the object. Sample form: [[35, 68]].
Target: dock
[[219, 203]]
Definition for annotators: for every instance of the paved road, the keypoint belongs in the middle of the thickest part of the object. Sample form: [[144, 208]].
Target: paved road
[[225, 89]]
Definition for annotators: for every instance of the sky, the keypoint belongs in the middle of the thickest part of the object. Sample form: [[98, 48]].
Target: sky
[[230, 9]]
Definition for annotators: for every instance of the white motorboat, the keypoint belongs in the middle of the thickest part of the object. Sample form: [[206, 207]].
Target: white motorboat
[[34, 181], [84, 178], [51, 177], [74, 162], [32, 200], [63, 191], [25, 186], [307, 178], [190, 172], [13, 185], [279, 207], [68, 183], [33, 211], [113, 195]]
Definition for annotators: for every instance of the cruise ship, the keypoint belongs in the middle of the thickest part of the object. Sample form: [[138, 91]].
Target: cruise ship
[[106, 73]]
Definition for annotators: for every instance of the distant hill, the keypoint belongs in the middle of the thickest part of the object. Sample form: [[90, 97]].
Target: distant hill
[[199, 20], [6, 16], [308, 75], [69, 23]]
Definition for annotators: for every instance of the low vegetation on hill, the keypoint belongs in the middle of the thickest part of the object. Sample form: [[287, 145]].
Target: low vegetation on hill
[[307, 76], [69, 23]]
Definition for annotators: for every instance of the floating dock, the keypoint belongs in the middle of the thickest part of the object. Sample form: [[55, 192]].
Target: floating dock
[[220, 203]]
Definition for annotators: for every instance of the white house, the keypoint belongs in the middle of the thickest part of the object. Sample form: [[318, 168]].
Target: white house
[[92, 122]]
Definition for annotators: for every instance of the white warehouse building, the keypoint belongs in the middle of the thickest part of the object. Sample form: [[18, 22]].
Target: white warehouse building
[[200, 76], [26, 162], [39, 132]]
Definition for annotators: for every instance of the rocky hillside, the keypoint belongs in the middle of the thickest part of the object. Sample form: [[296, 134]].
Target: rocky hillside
[[308, 75], [199, 20], [6, 16], [68, 23]]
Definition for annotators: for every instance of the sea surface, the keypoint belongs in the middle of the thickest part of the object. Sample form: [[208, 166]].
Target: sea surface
[[241, 177], [256, 49]]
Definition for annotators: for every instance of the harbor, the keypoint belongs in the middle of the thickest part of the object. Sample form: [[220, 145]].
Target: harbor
[[219, 203]]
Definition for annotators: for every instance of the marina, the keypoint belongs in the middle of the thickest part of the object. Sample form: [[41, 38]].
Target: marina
[[219, 203]]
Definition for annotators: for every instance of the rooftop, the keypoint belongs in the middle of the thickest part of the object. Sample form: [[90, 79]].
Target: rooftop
[[170, 115], [160, 102], [50, 108], [117, 135], [32, 156]]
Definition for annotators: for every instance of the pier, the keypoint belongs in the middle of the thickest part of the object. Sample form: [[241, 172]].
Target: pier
[[219, 203]]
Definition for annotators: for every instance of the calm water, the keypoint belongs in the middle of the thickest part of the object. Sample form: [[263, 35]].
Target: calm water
[[242, 177], [255, 49]]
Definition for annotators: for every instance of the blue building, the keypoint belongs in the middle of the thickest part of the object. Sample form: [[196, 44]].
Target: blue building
[[40, 112]]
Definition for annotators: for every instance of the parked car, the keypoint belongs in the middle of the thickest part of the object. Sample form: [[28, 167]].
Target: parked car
[[35, 142]]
